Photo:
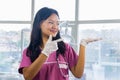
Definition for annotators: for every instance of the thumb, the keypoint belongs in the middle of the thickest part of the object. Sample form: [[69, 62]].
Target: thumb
[[50, 38]]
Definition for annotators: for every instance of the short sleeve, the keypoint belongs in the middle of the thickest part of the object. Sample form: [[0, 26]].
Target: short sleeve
[[25, 61], [72, 56]]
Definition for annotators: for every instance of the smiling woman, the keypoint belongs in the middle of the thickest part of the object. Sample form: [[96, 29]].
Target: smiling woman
[[47, 56]]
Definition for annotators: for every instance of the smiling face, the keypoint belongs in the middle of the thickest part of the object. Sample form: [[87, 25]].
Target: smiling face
[[50, 26]]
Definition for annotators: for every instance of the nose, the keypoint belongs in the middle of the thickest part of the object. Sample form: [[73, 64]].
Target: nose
[[55, 25]]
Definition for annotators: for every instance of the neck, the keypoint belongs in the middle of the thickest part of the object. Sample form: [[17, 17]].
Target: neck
[[44, 38]]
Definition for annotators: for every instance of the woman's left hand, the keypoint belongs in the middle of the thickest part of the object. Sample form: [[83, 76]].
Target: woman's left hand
[[84, 42]]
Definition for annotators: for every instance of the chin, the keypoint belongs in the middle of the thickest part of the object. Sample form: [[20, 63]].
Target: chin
[[54, 35]]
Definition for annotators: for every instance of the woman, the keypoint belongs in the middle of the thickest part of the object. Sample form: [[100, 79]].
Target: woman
[[48, 57]]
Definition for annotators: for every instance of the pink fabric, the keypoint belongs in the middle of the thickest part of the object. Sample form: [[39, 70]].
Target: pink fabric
[[50, 69]]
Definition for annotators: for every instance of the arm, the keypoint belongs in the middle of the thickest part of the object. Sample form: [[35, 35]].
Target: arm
[[78, 69], [30, 72]]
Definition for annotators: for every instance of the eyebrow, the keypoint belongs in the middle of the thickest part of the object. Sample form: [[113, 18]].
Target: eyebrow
[[53, 20]]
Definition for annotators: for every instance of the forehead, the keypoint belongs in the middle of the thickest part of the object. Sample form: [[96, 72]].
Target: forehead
[[53, 17]]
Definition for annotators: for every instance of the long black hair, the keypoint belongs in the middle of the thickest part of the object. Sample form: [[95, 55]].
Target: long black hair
[[33, 50]]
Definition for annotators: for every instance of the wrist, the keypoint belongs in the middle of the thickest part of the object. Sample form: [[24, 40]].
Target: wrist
[[45, 53], [83, 42]]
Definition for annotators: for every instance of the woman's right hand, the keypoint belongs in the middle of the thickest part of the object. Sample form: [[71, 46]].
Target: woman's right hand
[[50, 46]]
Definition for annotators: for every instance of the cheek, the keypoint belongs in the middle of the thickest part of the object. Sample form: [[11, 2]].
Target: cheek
[[45, 30]]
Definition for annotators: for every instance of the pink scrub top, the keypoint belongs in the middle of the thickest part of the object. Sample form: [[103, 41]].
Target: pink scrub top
[[53, 69]]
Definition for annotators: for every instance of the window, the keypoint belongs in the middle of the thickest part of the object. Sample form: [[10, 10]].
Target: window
[[10, 50], [102, 57], [18, 10], [99, 9], [65, 12]]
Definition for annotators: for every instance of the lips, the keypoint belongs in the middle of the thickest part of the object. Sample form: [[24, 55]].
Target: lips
[[53, 31]]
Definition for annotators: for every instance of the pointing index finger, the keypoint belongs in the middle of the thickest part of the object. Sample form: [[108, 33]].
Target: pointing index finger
[[58, 40]]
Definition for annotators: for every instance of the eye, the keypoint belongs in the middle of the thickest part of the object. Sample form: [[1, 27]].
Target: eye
[[50, 22], [58, 23]]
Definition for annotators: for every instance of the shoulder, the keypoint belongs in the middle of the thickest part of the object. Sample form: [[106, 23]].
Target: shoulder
[[67, 45], [24, 51]]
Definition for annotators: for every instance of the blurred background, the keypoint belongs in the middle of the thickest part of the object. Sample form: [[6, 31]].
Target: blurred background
[[79, 19]]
